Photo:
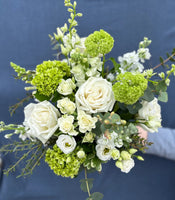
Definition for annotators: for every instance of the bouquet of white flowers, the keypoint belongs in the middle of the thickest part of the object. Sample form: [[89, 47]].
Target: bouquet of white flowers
[[84, 113]]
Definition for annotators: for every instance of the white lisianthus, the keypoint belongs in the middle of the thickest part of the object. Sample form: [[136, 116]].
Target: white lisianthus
[[127, 165], [150, 113], [66, 143], [130, 63], [41, 120], [66, 87], [65, 124], [85, 121], [144, 54], [95, 95], [66, 106], [103, 152]]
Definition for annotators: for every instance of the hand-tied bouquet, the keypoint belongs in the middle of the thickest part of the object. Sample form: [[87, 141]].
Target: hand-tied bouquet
[[85, 114]]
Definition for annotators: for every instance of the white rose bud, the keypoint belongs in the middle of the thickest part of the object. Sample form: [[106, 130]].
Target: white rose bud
[[81, 154], [41, 120], [66, 125], [66, 143], [66, 106], [66, 87], [95, 95], [86, 122]]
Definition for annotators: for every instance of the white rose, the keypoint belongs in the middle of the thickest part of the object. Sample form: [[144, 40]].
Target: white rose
[[95, 95], [151, 113], [103, 152], [66, 143], [127, 165], [66, 87], [41, 119], [65, 124], [66, 106], [86, 122]]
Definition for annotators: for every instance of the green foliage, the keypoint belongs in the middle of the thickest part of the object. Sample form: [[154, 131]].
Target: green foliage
[[148, 95], [49, 75], [99, 42], [133, 109], [129, 87], [163, 96], [116, 66]]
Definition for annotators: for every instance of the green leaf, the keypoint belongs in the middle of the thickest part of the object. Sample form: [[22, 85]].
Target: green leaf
[[133, 109], [96, 130], [148, 95], [83, 185], [161, 86], [161, 60], [163, 96], [116, 65], [41, 97], [96, 196]]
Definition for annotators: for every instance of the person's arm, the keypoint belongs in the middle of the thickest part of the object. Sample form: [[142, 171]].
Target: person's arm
[[164, 143]]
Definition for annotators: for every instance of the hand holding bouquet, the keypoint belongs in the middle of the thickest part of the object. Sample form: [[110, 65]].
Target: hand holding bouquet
[[85, 114]]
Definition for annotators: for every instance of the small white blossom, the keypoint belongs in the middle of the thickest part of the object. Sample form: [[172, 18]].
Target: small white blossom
[[66, 143], [66, 106], [65, 124], [144, 54], [85, 121], [66, 87]]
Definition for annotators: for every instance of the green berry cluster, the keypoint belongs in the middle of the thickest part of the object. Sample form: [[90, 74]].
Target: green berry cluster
[[49, 75], [99, 42], [129, 87], [66, 165]]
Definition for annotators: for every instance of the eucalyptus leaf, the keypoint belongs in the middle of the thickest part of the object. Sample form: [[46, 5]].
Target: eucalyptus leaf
[[96, 196], [163, 96], [83, 185], [148, 95], [133, 109]]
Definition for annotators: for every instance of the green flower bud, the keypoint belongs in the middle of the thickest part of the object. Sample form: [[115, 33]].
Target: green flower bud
[[115, 154], [125, 155], [140, 158], [119, 164], [132, 151]]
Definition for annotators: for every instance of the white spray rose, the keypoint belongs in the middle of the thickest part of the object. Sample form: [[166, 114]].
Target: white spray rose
[[41, 120], [151, 113], [127, 165], [65, 124], [66, 87], [103, 152], [66, 106], [85, 121], [95, 95], [66, 143]]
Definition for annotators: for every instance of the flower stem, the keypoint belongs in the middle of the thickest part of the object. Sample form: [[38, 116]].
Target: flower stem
[[103, 66], [87, 185], [164, 61]]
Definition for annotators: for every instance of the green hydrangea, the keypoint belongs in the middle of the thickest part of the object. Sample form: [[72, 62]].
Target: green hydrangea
[[49, 75], [66, 165], [129, 87], [99, 42]]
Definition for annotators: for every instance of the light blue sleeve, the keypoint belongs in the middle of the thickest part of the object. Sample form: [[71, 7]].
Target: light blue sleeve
[[164, 143]]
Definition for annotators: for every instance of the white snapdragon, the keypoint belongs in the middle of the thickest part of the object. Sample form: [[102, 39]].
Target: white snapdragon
[[150, 113], [41, 121], [66, 143], [143, 54], [85, 121], [66, 87], [66, 124], [130, 63], [66, 106], [95, 95], [79, 74], [96, 67]]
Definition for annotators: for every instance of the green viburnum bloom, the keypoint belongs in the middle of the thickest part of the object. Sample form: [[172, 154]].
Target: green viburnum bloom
[[99, 42], [48, 75], [66, 165], [129, 87]]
